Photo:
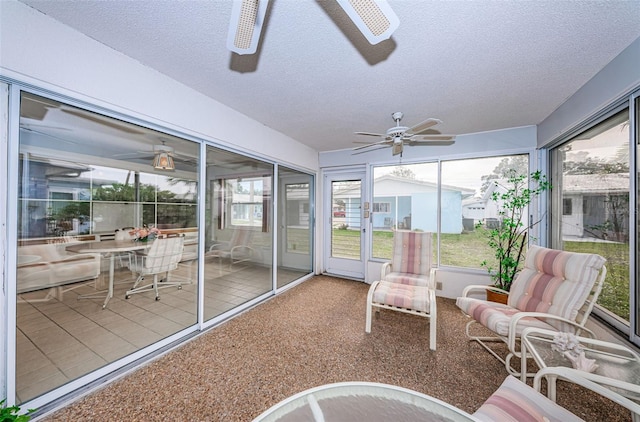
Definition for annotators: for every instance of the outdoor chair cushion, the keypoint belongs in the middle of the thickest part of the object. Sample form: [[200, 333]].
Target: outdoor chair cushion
[[496, 316], [555, 282], [515, 401], [402, 296]]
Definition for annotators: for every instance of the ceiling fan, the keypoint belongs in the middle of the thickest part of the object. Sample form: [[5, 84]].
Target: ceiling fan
[[398, 136], [163, 156], [374, 18]]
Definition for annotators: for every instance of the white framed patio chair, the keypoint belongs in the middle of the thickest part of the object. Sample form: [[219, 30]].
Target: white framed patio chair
[[162, 257], [408, 282], [236, 250], [556, 290]]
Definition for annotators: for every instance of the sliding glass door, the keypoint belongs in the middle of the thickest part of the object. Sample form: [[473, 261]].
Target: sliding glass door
[[87, 185], [295, 223], [590, 206]]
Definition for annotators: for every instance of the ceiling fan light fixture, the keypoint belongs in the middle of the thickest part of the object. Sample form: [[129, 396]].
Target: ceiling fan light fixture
[[163, 159], [374, 18], [247, 18]]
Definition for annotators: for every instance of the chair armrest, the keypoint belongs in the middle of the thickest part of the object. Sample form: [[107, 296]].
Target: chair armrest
[[386, 269], [220, 246], [481, 287], [513, 325], [432, 279], [242, 248]]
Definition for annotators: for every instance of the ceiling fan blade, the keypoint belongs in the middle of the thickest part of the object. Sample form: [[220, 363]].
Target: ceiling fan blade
[[397, 148], [422, 126], [245, 26], [432, 142], [370, 134], [374, 18], [369, 150], [432, 138], [370, 144], [105, 121]]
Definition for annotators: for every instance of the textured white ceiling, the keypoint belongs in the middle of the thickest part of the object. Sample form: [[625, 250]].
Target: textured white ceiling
[[478, 66]]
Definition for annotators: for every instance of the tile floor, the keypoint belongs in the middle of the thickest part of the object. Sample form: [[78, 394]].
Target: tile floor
[[59, 340]]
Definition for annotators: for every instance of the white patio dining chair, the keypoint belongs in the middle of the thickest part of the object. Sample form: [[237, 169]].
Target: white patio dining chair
[[556, 290], [162, 257]]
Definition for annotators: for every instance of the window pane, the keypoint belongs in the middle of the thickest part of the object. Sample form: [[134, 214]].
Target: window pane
[[405, 198], [592, 171], [468, 210]]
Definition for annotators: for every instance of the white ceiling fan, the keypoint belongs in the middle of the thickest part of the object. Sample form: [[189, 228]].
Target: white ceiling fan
[[398, 136], [374, 18]]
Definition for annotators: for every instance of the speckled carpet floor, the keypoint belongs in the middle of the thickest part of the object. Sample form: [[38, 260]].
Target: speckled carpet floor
[[312, 334]]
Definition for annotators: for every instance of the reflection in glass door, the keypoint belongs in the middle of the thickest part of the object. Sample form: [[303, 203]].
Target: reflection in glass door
[[295, 217], [344, 255]]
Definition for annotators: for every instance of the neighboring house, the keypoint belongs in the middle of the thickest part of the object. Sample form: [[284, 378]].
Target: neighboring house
[[595, 205], [408, 204]]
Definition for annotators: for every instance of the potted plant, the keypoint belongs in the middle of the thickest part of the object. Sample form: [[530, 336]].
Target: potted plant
[[12, 413], [508, 238]]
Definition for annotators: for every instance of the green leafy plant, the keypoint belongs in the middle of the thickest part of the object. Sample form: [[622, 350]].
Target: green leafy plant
[[508, 238], [12, 413]]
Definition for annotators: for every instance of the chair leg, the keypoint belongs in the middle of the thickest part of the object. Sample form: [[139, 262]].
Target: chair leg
[[369, 310], [433, 325]]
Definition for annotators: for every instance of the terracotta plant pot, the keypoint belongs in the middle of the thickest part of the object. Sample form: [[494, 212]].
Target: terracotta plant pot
[[497, 297]]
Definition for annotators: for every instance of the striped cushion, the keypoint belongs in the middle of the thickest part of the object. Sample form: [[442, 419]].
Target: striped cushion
[[402, 296], [555, 282], [411, 252], [407, 278], [515, 401], [496, 316]]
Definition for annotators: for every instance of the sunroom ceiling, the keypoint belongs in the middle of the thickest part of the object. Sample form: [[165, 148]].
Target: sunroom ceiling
[[478, 66]]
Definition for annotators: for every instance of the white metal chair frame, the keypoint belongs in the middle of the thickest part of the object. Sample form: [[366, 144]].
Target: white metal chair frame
[[431, 315], [512, 340], [162, 258]]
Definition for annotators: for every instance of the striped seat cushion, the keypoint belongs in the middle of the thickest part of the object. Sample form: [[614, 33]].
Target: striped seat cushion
[[515, 401], [404, 296], [408, 278], [555, 282], [496, 316]]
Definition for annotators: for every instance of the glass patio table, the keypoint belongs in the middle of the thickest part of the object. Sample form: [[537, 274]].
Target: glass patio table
[[618, 366], [362, 401]]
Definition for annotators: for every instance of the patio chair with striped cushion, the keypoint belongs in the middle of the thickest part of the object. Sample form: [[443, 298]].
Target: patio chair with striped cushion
[[408, 282], [555, 290]]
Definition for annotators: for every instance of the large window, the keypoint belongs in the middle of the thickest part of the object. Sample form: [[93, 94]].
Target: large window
[[407, 197], [591, 171], [83, 178]]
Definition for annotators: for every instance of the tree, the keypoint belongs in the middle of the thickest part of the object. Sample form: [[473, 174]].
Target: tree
[[403, 172], [517, 164], [509, 238]]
